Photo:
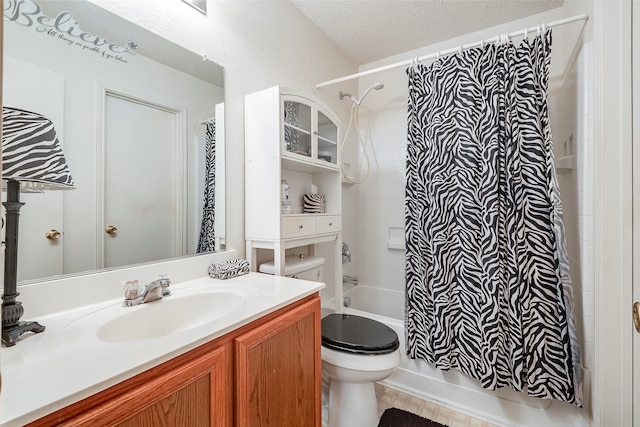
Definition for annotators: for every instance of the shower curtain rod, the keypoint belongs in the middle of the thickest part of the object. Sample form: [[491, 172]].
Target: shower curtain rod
[[583, 17]]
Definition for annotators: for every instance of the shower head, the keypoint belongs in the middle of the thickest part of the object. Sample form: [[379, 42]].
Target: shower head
[[376, 86]]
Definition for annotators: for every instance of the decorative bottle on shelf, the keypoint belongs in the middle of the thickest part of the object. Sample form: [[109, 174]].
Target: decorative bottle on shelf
[[285, 203]]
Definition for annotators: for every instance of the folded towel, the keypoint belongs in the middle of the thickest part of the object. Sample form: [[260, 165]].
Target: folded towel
[[228, 269]]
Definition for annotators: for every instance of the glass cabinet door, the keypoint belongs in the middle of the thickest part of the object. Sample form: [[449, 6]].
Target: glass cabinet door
[[327, 139], [297, 128]]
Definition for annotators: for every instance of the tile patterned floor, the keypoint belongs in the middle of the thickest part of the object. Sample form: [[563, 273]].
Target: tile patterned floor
[[389, 397]]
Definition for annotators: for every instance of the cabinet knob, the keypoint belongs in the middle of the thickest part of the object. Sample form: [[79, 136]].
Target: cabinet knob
[[111, 229], [301, 227], [330, 224]]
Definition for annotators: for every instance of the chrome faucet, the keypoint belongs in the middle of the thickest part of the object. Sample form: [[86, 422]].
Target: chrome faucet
[[155, 290], [350, 279]]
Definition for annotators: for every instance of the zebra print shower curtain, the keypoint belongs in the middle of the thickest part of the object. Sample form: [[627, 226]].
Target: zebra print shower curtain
[[207, 241], [488, 291]]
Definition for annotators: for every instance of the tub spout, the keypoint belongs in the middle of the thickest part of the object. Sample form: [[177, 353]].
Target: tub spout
[[349, 279]]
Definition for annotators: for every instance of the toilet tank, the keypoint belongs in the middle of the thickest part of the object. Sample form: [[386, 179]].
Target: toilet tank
[[298, 267]]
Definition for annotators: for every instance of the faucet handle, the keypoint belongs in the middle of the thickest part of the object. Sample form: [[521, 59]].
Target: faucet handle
[[132, 289], [165, 281]]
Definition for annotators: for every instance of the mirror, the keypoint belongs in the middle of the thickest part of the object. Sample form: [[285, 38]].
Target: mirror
[[131, 111]]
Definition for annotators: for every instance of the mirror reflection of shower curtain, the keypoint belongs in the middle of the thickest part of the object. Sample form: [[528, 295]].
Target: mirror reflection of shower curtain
[[488, 290], [206, 242]]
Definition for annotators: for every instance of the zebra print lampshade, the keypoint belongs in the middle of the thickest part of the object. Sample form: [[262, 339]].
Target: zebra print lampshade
[[32, 160], [31, 152]]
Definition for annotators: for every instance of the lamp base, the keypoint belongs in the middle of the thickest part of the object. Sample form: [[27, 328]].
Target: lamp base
[[10, 334]]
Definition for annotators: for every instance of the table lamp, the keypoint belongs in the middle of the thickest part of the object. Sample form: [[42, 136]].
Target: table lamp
[[32, 161]]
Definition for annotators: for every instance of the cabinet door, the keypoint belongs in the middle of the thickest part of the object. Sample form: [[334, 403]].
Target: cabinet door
[[327, 139], [297, 128], [278, 371], [194, 394]]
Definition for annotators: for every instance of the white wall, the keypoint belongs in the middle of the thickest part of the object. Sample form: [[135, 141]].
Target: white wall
[[613, 214], [377, 205]]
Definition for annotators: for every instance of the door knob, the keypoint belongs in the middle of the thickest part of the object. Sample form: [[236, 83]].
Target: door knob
[[52, 234], [111, 229], [636, 315]]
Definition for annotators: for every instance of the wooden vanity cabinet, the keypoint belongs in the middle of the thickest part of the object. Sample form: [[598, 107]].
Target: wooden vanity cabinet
[[278, 371], [195, 393], [194, 389], [267, 373]]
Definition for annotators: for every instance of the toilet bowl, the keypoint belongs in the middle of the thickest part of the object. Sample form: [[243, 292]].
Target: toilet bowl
[[356, 352]]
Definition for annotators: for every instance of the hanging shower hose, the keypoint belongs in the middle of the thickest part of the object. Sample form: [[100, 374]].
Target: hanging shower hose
[[361, 142]]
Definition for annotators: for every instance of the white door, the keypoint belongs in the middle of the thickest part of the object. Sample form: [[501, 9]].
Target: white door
[[41, 90], [636, 211], [142, 177]]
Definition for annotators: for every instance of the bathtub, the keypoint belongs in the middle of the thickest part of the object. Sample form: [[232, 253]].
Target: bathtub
[[379, 301], [453, 389]]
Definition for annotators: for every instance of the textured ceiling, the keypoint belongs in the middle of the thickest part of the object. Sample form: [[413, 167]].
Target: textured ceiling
[[369, 30]]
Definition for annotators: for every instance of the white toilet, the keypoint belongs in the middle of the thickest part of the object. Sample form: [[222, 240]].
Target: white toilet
[[356, 352]]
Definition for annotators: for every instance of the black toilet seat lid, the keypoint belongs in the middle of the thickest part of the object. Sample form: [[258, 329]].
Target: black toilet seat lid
[[357, 334]]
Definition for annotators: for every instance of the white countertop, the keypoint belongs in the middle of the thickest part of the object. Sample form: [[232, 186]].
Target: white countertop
[[67, 362]]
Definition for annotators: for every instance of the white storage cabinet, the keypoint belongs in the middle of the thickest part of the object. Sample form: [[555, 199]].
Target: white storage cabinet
[[290, 136]]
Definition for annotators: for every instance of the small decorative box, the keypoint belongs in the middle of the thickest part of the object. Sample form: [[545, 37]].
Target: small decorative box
[[314, 203]]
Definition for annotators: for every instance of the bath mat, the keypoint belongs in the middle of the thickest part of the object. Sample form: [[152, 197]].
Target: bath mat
[[394, 417]]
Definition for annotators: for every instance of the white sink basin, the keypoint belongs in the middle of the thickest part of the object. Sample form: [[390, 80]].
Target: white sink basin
[[168, 315]]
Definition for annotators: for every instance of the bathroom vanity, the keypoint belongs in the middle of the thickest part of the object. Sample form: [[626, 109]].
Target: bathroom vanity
[[257, 364]]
